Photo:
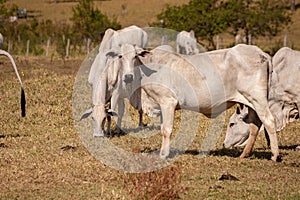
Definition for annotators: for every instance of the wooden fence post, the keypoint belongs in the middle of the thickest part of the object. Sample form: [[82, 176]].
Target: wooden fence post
[[47, 48], [27, 47], [285, 39], [88, 43], [9, 46], [249, 39], [68, 47]]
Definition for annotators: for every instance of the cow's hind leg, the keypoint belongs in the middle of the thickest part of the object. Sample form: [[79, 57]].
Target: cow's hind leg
[[141, 124], [167, 118], [269, 123], [255, 125]]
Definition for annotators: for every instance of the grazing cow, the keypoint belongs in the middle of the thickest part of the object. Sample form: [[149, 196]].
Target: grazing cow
[[238, 129], [23, 101], [98, 76], [208, 83], [110, 86], [186, 43], [1, 40], [284, 98]]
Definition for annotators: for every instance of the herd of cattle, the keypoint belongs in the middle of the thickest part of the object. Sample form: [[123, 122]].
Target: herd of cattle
[[159, 81]]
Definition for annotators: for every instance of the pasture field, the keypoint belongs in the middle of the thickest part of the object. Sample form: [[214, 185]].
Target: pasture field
[[42, 156]]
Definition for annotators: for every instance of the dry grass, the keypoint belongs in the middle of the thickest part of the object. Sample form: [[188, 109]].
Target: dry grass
[[42, 156]]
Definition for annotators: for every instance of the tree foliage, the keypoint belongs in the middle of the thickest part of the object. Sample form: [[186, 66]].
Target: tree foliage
[[206, 17], [89, 22], [211, 17], [257, 18]]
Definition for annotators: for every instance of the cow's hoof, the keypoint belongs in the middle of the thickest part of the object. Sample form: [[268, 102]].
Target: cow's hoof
[[244, 155], [163, 154], [98, 135], [276, 158], [119, 132], [142, 125]]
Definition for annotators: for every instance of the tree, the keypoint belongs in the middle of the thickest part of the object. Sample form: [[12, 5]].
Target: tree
[[205, 17], [257, 18], [89, 22], [211, 17]]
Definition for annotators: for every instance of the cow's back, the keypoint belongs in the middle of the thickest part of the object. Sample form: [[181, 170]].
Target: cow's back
[[112, 40]]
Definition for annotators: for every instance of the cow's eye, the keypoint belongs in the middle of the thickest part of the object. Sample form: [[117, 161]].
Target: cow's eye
[[231, 124]]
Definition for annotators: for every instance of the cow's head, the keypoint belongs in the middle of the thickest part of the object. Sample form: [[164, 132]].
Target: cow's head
[[128, 57], [238, 129], [189, 48], [98, 116]]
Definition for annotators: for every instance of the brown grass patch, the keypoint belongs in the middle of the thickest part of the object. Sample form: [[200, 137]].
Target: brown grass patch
[[42, 156]]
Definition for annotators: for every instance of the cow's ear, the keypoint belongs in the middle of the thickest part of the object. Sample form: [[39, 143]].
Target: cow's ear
[[86, 113], [242, 106], [245, 118], [110, 112], [238, 111], [144, 53], [112, 54], [146, 70]]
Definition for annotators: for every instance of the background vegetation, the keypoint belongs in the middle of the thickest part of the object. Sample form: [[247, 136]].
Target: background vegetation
[[83, 22], [209, 18]]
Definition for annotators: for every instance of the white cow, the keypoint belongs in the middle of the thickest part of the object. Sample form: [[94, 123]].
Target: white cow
[[101, 74], [1, 40], [112, 40], [238, 129], [186, 43], [284, 98], [23, 101], [208, 83]]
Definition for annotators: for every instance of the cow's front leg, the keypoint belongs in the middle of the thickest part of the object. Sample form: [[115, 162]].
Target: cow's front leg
[[167, 120], [121, 107], [141, 124], [108, 131], [255, 124]]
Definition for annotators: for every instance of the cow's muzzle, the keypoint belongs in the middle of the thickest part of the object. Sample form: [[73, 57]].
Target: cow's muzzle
[[128, 78]]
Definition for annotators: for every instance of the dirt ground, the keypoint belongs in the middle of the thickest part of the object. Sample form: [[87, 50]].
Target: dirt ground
[[42, 156]]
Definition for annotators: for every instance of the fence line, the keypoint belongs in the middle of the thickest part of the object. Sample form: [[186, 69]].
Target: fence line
[[67, 50]]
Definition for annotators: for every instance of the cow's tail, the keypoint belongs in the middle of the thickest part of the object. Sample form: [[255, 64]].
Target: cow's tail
[[23, 99], [23, 102]]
